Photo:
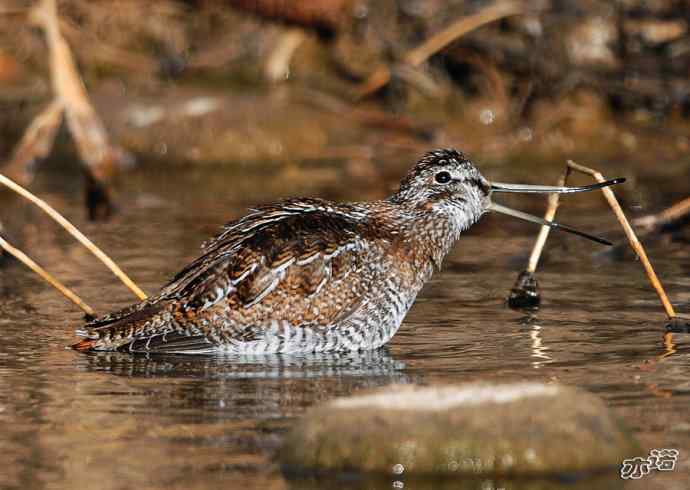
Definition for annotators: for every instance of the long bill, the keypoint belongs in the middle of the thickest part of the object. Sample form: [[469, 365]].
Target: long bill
[[548, 189], [534, 219]]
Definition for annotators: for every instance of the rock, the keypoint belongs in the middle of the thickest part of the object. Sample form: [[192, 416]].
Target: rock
[[479, 429]]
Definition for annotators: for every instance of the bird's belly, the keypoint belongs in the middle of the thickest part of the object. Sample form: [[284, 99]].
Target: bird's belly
[[372, 325]]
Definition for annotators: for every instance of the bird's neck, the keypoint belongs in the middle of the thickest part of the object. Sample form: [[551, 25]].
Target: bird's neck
[[424, 235], [433, 236]]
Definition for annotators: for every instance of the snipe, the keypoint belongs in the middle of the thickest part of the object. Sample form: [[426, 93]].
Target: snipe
[[309, 275]]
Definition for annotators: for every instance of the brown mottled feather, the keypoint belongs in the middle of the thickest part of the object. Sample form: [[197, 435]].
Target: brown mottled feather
[[307, 274], [277, 263]]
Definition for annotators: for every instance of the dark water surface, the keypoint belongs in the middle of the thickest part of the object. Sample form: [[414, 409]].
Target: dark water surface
[[109, 421]]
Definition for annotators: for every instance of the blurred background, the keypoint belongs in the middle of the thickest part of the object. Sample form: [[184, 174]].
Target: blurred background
[[367, 86], [149, 124]]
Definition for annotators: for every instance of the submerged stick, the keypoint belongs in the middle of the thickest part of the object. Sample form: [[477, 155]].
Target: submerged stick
[[64, 290], [440, 40], [72, 230]]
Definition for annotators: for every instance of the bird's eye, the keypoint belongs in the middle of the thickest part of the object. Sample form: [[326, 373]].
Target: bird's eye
[[443, 177]]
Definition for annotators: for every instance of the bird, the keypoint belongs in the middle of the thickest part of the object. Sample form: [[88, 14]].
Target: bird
[[307, 275]]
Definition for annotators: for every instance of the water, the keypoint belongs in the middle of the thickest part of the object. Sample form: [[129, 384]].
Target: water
[[112, 421]]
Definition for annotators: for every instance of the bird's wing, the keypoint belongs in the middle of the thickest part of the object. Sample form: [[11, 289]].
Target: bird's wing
[[298, 262]]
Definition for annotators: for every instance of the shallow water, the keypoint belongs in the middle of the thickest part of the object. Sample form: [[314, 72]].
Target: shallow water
[[111, 421]]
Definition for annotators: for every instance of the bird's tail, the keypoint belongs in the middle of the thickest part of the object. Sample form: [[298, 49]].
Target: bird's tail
[[85, 345], [111, 332]]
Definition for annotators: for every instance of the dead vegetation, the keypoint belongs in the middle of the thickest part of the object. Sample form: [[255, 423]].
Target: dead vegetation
[[634, 54], [672, 216], [101, 158], [70, 99], [72, 230], [525, 292], [434, 44]]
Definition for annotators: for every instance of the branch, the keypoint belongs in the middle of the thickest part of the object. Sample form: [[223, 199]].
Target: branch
[[437, 42], [72, 230], [27, 261]]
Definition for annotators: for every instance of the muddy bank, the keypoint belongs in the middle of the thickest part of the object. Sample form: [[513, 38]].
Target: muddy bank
[[634, 55], [290, 127], [524, 92]]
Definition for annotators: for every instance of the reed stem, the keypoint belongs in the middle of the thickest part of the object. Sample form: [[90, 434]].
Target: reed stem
[[27, 261], [72, 230], [632, 238]]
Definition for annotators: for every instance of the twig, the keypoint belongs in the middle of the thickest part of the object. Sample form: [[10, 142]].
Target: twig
[[437, 42], [72, 230], [36, 143], [668, 215], [524, 290], [632, 238], [459, 28], [27, 261], [277, 67], [87, 129], [554, 200]]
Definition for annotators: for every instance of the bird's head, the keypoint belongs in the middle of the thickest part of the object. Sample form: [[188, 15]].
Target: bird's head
[[445, 182]]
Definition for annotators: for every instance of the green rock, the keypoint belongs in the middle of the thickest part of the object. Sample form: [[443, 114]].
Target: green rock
[[479, 429]]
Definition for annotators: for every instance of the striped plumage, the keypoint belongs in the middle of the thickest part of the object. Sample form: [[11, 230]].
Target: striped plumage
[[307, 275]]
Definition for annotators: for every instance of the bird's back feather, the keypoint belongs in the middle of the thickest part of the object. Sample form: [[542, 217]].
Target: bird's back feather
[[297, 262]]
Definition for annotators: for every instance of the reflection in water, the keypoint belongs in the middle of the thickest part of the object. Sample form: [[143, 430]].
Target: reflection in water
[[243, 386], [376, 363], [669, 345], [538, 349]]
